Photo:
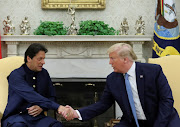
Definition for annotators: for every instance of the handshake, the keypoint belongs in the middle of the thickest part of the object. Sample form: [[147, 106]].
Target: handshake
[[67, 112]]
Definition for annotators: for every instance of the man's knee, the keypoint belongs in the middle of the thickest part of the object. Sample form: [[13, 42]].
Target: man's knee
[[18, 125], [57, 124]]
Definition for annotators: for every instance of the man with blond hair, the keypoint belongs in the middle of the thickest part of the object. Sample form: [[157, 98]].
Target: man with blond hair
[[140, 89]]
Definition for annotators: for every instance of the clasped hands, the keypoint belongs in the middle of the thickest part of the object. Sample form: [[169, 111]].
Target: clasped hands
[[67, 112]]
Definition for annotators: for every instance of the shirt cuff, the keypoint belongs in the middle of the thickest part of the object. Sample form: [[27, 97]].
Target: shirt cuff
[[80, 118]]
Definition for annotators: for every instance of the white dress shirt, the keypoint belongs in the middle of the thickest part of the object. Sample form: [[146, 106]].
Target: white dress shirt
[[137, 103], [132, 80]]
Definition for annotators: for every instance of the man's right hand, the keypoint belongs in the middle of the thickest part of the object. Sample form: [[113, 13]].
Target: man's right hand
[[67, 112], [74, 113]]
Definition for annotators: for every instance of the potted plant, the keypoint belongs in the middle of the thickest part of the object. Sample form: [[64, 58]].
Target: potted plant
[[50, 28], [90, 27]]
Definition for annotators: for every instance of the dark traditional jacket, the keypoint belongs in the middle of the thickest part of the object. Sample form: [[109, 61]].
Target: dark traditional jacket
[[28, 88]]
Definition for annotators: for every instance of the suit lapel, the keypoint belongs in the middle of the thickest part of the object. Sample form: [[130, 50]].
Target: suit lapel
[[140, 83]]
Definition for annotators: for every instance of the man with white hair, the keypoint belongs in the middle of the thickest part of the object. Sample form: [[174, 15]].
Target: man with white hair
[[140, 89]]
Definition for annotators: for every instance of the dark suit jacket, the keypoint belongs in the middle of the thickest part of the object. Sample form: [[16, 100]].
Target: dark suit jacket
[[22, 95], [154, 92]]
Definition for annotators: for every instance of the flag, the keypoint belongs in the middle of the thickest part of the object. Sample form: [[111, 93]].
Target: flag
[[166, 40], [0, 47]]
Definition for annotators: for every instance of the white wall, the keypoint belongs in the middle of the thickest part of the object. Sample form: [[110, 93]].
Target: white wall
[[113, 14]]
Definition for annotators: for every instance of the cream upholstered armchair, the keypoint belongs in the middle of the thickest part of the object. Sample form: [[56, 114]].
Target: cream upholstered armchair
[[7, 65], [171, 68]]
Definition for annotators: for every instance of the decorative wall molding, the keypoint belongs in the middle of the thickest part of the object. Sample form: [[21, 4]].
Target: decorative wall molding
[[78, 38], [74, 46]]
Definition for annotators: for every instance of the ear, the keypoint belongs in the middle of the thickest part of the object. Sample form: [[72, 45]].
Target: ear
[[126, 60], [28, 59]]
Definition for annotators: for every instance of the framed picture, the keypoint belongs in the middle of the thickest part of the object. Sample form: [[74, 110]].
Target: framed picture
[[79, 4]]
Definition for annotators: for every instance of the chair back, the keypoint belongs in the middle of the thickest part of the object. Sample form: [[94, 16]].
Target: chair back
[[171, 68], [7, 65]]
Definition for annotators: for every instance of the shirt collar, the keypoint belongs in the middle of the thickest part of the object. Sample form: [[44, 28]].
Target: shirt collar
[[131, 71], [27, 70]]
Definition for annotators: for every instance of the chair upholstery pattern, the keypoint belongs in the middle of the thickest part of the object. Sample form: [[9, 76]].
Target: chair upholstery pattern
[[171, 68], [7, 65]]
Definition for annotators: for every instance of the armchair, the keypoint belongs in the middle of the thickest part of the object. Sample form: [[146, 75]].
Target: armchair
[[171, 68], [7, 65]]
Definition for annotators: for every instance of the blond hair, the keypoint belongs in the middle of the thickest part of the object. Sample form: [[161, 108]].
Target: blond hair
[[123, 50]]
